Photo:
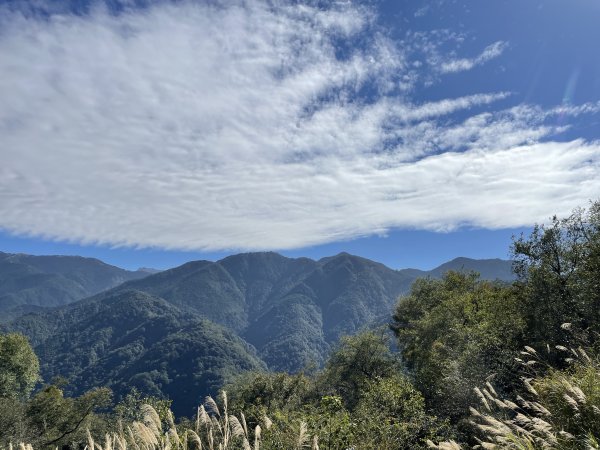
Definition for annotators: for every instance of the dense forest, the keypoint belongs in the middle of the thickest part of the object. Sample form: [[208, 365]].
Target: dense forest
[[460, 362]]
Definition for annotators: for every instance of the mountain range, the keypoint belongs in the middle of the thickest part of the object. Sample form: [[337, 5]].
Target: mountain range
[[29, 282], [185, 331]]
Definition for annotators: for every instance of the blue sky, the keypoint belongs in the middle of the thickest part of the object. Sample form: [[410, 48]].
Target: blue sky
[[410, 132], [423, 250]]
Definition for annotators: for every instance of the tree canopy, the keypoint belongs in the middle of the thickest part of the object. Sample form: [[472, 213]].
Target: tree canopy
[[19, 366]]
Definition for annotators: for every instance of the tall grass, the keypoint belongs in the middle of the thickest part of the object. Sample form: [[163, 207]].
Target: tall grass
[[560, 409], [214, 428]]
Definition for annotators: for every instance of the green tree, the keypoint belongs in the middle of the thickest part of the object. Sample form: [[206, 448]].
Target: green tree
[[558, 266], [19, 367], [456, 332], [129, 409], [60, 420], [13, 423], [557, 409], [357, 361], [269, 390], [391, 414], [332, 423]]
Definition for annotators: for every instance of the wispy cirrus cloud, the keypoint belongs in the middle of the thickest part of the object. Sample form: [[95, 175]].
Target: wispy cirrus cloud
[[462, 64], [251, 126]]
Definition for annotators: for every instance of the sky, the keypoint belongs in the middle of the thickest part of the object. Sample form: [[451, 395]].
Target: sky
[[410, 132]]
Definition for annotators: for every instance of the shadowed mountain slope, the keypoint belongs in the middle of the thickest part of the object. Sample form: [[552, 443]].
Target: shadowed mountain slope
[[291, 310], [131, 339], [28, 282]]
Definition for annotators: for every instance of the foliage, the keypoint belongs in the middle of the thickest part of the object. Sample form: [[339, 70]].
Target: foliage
[[391, 414], [358, 361], [559, 275], [49, 419], [456, 332], [214, 428], [270, 391], [331, 423], [132, 340], [285, 313], [360, 400], [63, 419], [562, 410], [19, 366], [129, 409]]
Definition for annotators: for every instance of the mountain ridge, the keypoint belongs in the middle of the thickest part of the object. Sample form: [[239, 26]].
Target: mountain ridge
[[29, 281], [296, 307]]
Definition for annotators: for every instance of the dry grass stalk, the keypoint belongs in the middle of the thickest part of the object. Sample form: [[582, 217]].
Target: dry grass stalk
[[448, 445], [303, 436]]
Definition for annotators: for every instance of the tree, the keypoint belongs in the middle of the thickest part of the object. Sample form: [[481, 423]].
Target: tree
[[269, 391], [558, 267], [456, 332], [358, 360], [60, 420], [19, 367], [391, 414]]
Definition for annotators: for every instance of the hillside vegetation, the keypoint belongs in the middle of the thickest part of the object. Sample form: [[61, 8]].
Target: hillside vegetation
[[131, 340], [481, 364]]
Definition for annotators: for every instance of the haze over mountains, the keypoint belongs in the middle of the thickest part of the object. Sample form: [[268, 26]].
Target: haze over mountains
[[28, 282], [185, 331]]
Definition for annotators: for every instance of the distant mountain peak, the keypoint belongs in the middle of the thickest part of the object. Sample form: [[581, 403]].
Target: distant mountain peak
[[254, 256], [489, 269], [148, 270]]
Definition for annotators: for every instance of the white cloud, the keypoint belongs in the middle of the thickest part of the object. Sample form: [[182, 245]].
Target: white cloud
[[422, 11], [446, 106], [197, 127], [460, 65]]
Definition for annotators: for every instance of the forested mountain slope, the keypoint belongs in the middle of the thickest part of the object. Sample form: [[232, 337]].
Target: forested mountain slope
[[28, 282], [133, 340], [291, 310]]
